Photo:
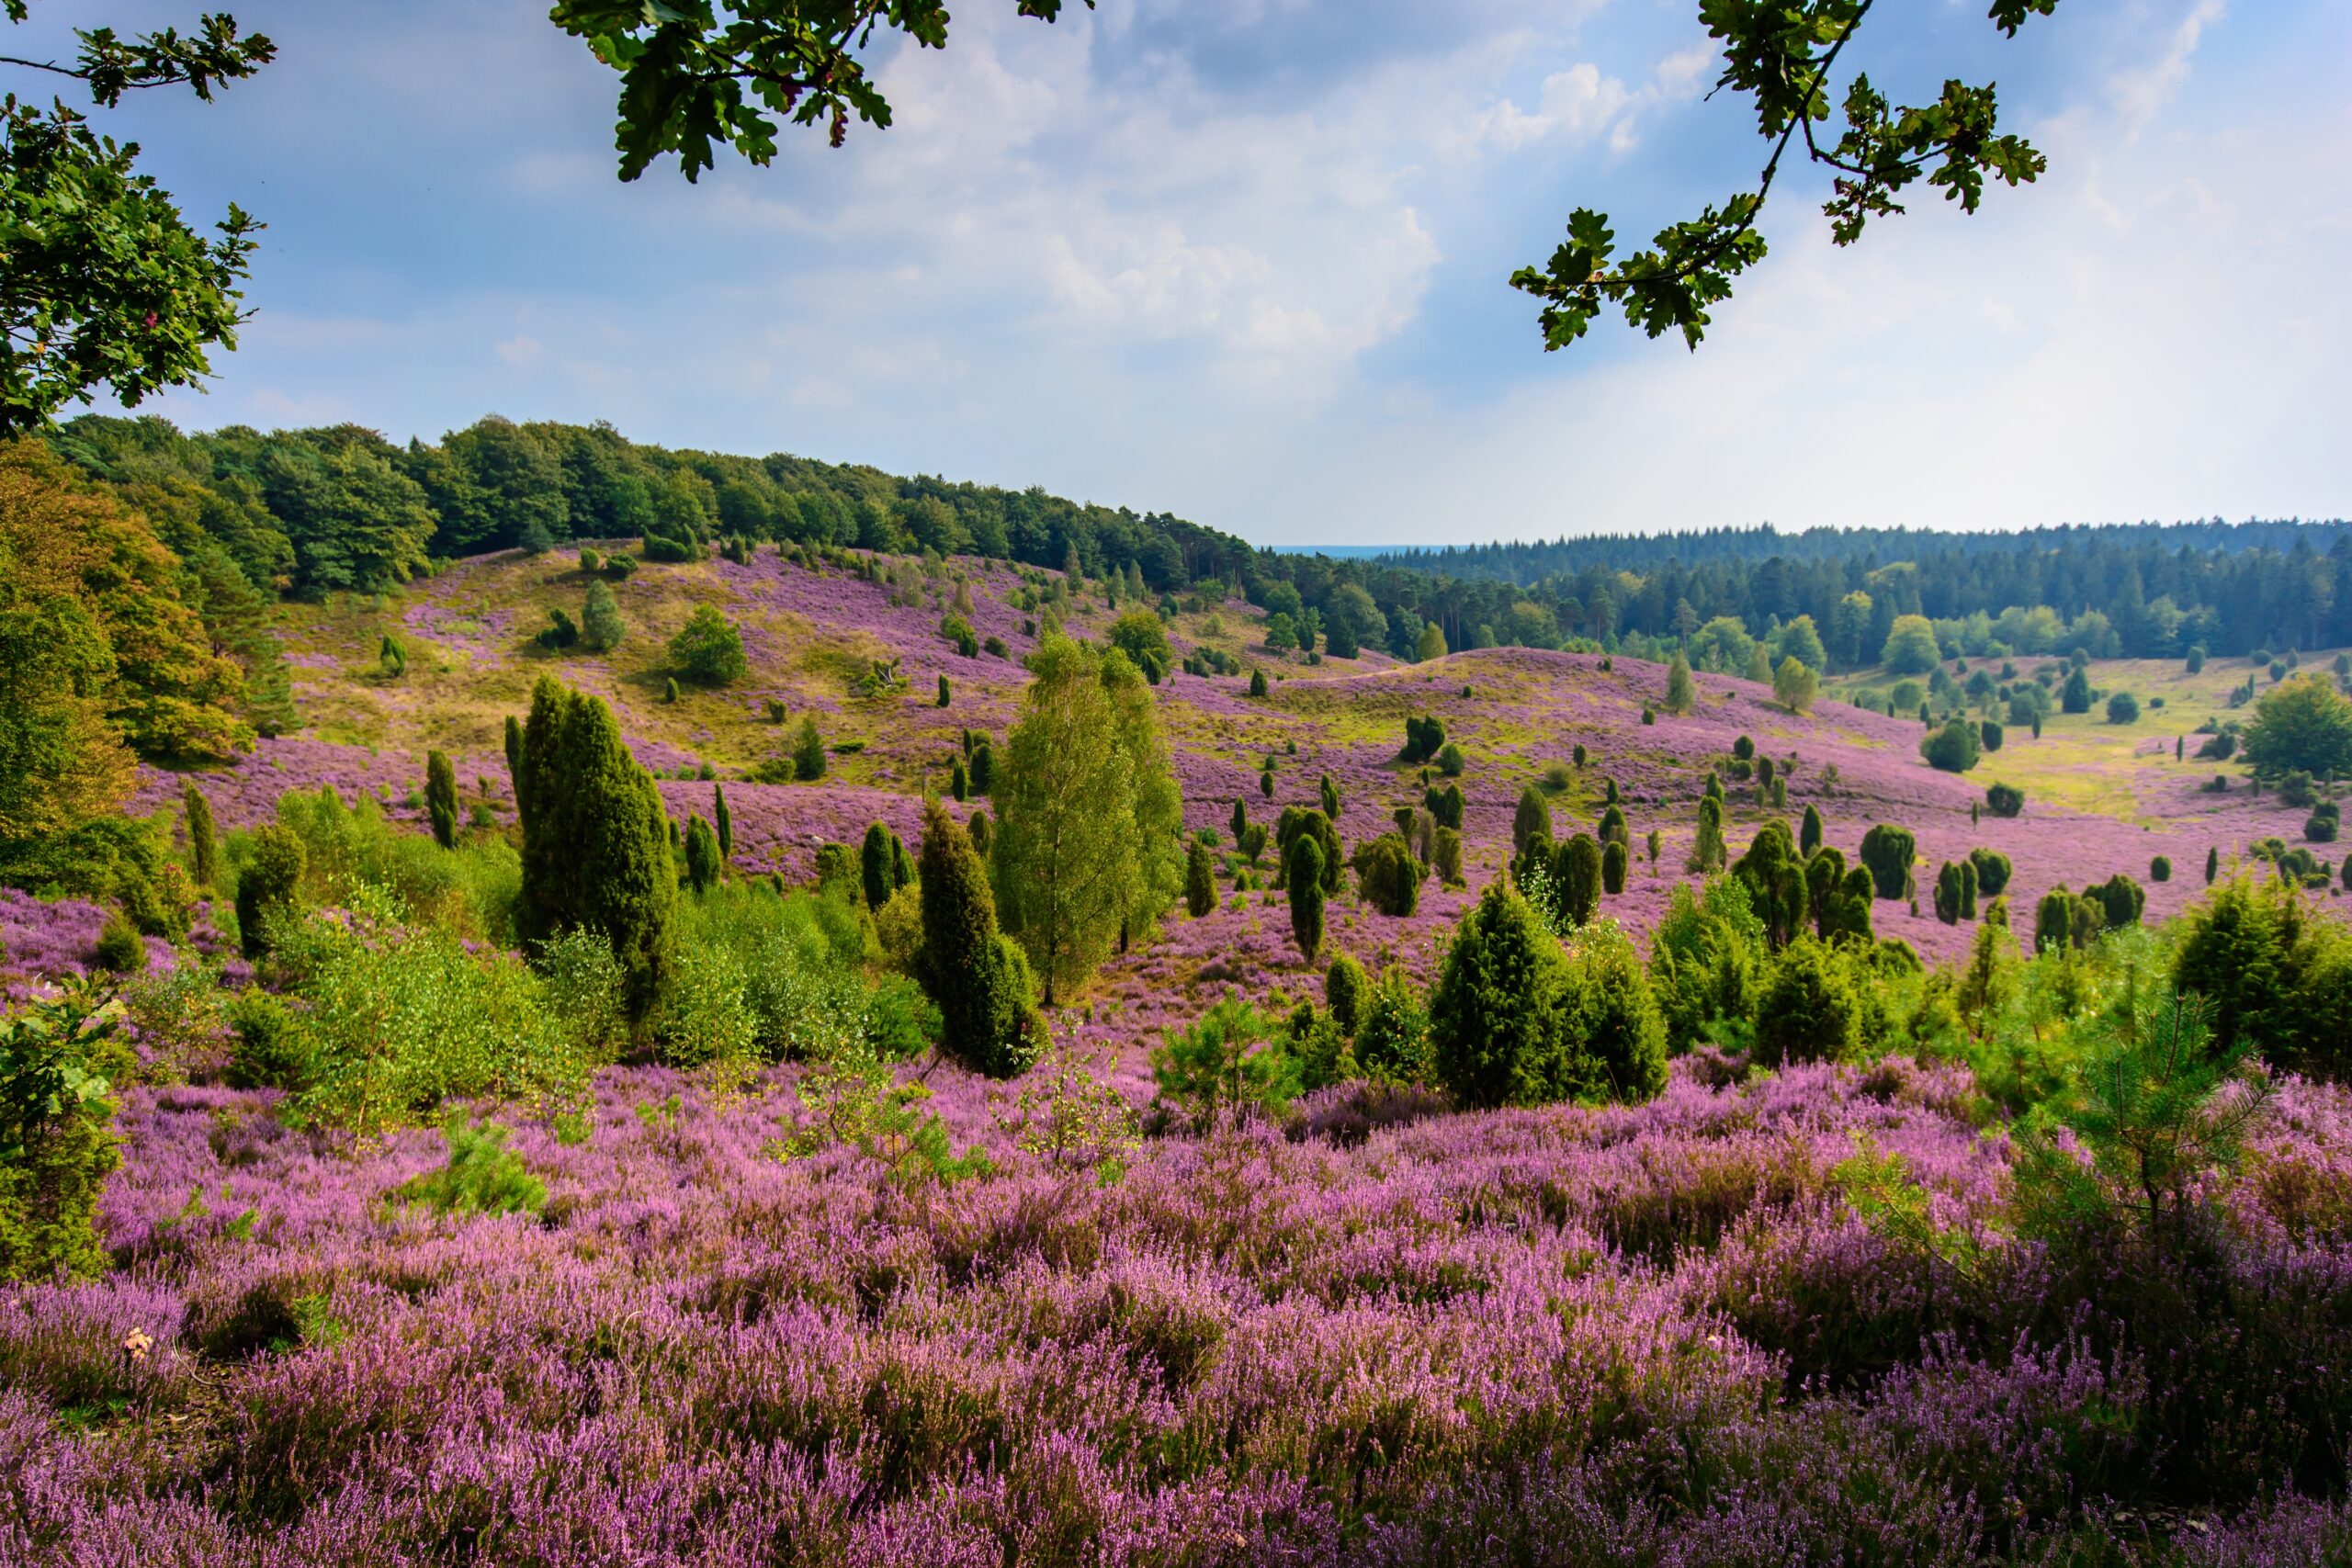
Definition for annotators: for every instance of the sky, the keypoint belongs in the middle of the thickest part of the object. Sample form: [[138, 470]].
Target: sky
[[1245, 261]]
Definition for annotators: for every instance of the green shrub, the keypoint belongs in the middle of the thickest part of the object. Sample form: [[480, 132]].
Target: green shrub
[[1808, 1010], [1612, 867], [2122, 708], [397, 1017], [1303, 873], [1388, 875], [1954, 748], [708, 648], [2160, 869], [1229, 1060], [482, 1177], [979, 977], [702, 854], [1392, 1037], [267, 887], [1993, 869], [266, 1045], [2005, 800], [594, 830], [1345, 992], [808, 753], [1445, 856], [1450, 761], [120, 949], [1611, 1017], [1495, 1016], [1888, 851], [2120, 899], [601, 627], [1576, 879], [57, 1142]]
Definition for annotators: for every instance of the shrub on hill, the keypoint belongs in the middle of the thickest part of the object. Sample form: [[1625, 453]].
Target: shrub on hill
[[708, 648]]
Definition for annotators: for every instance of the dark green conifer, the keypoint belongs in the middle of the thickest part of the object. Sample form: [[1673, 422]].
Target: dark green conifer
[[441, 798], [203, 840], [1200, 880], [1302, 872], [594, 830], [1809, 833], [701, 856], [1575, 878], [267, 885], [1346, 988], [873, 864], [722, 822], [1495, 1015], [977, 976]]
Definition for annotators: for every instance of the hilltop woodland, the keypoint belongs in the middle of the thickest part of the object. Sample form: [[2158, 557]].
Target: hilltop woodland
[[1374, 1077]]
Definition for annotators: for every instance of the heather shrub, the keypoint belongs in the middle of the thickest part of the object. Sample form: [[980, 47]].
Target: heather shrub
[[482, 1177], [57, 1142]]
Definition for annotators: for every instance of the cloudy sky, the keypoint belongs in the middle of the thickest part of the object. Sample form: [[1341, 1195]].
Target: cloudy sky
[[1244, 260]]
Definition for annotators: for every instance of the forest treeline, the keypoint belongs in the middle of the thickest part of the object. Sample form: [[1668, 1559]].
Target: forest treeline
[[309, 512]]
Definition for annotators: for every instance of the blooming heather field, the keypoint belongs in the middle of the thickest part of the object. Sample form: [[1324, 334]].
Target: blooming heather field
[[1685, 1333], [1482, 1339], [808, 634]]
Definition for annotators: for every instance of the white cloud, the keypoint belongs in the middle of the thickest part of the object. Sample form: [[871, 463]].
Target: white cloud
[[2141, 91]]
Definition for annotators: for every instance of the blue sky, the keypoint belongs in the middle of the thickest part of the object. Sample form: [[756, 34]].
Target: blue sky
[[1244, 260]]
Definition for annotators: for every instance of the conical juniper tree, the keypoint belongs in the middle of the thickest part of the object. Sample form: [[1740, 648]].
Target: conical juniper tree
[[977, 976], [596, 850], [441, 798], [203, 840], [1303, 877]]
